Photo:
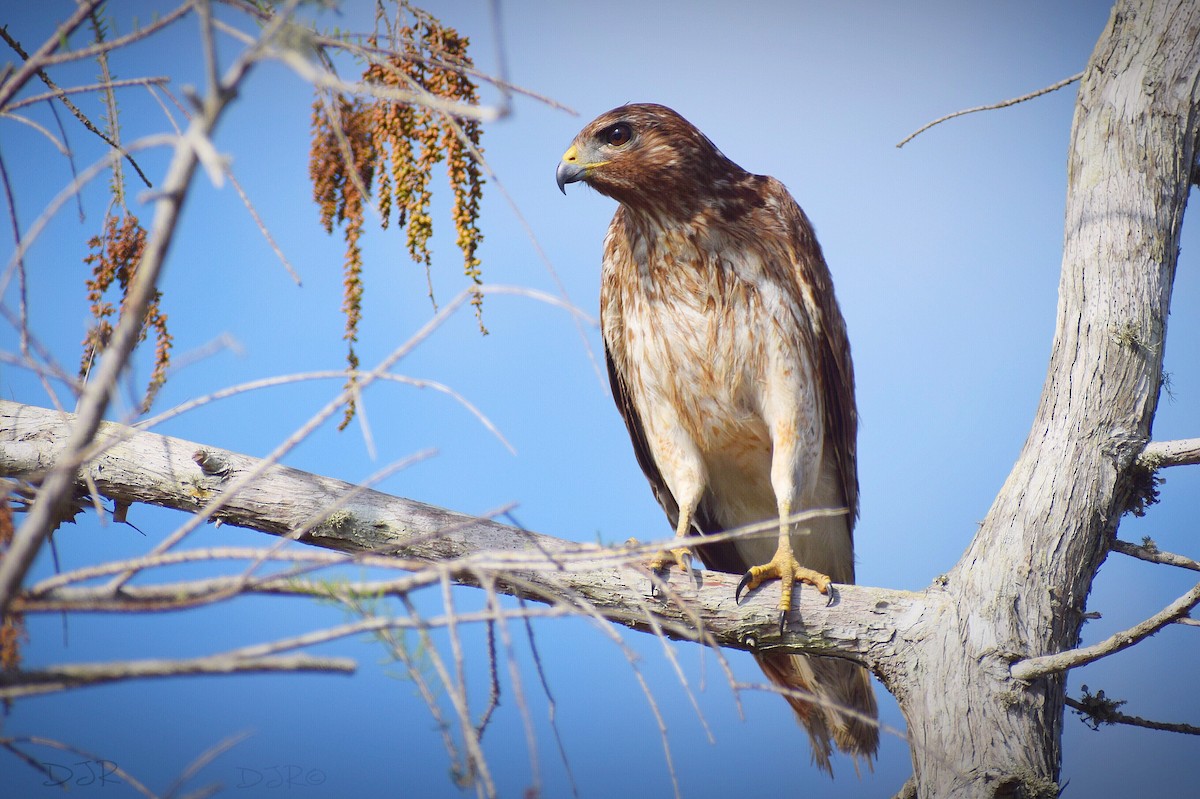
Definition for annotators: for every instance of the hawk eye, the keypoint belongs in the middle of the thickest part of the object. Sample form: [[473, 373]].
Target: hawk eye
[[618, 135]]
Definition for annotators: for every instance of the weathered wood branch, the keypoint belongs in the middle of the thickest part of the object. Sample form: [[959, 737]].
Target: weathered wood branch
[[1160, 454], [1154, 555], [131, 466]]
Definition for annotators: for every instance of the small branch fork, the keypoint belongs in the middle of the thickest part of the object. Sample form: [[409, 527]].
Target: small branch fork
[[1033, 668], [1157, 455]]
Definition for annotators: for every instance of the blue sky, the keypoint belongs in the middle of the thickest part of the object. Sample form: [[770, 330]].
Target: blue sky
[[945, 255]]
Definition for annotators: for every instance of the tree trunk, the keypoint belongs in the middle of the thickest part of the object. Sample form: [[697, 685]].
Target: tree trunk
[[1020, 589]]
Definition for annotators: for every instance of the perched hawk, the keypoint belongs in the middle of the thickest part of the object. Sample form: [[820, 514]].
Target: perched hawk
[[729, 360]]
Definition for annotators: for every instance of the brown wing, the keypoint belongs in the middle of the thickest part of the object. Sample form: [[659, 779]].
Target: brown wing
[[832, 344]]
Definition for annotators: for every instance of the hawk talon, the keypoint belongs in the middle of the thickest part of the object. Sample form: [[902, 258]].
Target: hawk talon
[[737, 595], [681, 556], [784, 567], [661, 564], [782, 619]]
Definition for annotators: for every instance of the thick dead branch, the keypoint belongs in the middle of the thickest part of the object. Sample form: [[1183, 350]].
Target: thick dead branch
[[865, 624]]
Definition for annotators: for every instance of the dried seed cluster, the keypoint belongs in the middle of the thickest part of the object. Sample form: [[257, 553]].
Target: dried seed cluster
[[114, 259], [365, 145]]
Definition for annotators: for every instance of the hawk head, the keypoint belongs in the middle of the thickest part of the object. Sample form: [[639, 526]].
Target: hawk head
[[649, 159]]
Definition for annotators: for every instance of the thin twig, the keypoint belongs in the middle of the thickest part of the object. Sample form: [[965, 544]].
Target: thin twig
[[477, 763], [399, 650], [269, 382], [204, 759], [96, 49], [113, 138], [40, 128], [262, 228], [551, 706], [514, 675], [992, 107], [60, 678], [62, 130], [42, 56], [61, 95], [60, 91]]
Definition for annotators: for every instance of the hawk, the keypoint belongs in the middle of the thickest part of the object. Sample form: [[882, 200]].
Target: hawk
[[729, 361]]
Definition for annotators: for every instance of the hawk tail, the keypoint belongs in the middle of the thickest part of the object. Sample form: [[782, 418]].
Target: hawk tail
[[841, 709]]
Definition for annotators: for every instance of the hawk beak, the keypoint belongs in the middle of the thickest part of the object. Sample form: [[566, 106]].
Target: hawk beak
[[569, 169]]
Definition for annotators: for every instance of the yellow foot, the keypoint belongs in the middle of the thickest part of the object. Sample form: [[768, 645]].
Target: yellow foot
[[662, 561], [784, 567]]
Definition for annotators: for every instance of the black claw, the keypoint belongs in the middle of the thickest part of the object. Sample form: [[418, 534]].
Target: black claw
[[832, 596], [782, 619], [737, 595]]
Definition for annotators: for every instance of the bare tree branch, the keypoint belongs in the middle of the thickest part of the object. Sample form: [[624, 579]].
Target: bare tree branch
[[41, 57], [1154, 555], [87, 88], [55, 492], [51, 58], [865, 624], [1032, 668], [61, 678]]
